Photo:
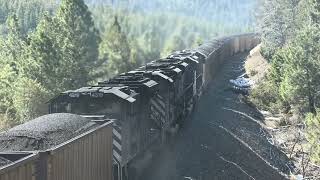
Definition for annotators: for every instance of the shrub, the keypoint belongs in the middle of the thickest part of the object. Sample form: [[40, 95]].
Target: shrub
[[313, 135], [265, 95], [29, 99]]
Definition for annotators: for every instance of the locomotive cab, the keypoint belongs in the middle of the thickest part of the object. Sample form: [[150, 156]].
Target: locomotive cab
[[92, 101]]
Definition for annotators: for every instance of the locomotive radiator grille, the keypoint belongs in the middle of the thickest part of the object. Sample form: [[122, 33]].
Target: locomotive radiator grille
[[158, 110], [117, 148]]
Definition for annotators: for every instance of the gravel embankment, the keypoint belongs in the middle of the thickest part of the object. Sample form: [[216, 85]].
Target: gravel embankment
[[224, 139], [44, 132]]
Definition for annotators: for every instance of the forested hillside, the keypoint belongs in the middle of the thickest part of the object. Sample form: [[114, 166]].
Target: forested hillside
[[227, 11], [290, 32], [49, 46], [28, 12]]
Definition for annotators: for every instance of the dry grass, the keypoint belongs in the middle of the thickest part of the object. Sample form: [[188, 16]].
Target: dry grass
[[291, 139], [256, 66]]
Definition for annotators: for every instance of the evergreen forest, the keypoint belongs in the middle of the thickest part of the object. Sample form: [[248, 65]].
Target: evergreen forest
[[51, 46]]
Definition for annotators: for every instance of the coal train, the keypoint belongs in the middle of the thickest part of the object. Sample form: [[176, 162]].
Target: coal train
[[57, 147], [146, 103], [149, 103]]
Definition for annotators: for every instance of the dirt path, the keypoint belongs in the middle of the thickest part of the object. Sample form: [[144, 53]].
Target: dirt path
[[217, 142]]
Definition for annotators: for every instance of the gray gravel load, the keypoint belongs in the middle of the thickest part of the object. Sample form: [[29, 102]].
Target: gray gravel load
[[44, 132], [211, 46]]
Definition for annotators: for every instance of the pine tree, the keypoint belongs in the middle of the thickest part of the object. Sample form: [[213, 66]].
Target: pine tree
[[312, 51], [137, 56], [14, 45], [11, 57], [65, 48], [315, 12], [277, 24], [195, 40], [175, 43], [29, 99], [313, 135], [115, 49], [45, 56], [28, 12], [152, 43], [301, 68], [7, 77], [79, 39]]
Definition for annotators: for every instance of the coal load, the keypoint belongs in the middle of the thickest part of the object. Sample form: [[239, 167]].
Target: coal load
[[44, 132]]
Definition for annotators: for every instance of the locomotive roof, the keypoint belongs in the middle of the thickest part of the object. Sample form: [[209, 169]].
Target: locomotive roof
[[131, 79], [123, 92], [164, 64], [126, 85], [166, 75], [193, 55], [135, 81]]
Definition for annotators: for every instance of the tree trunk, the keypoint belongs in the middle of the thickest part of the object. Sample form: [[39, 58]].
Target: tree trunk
[[312, 103], [310, 94]]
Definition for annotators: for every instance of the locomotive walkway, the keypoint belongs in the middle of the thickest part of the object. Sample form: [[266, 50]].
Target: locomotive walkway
[[222, 139]]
